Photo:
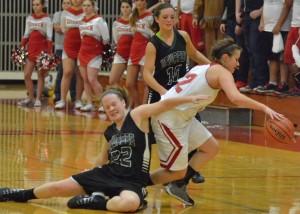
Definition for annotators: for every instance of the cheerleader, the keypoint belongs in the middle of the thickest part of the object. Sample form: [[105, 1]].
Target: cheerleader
[[70, 21], [38, 38], [140, 21], [122, 36], [94, 35]]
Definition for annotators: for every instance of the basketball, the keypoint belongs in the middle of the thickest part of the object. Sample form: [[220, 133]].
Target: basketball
[[279, 131]]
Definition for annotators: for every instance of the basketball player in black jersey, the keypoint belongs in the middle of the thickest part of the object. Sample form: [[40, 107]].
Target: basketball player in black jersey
[[123, 164], [166, 55]]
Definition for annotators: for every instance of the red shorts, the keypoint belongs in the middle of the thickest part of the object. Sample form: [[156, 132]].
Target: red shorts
[[196, 34], [292, 37]]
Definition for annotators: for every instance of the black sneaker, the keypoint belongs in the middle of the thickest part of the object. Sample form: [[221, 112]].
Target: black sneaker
[[180, 193], [8, 194], [282, 88], [92, 202], [267, 88], [143, 205], [198, 178]]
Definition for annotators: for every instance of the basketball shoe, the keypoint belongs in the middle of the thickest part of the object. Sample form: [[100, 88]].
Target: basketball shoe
[[8, 194], [180, 193], [198, 178], [96, 201]]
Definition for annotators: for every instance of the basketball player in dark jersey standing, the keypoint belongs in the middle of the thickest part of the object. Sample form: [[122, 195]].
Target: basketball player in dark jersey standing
[[166, 55]]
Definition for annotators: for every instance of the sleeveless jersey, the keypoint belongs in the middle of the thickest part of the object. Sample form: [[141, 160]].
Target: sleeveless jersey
[[193, 83], [94, 35], [70, 21], [129, 152], [170, 63], [38, 31], [122, 34]]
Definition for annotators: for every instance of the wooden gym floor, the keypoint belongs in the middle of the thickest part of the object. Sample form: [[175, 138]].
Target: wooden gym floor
[[39, 145]]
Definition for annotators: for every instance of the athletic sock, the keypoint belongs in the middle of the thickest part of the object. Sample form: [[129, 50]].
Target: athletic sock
[[189, 174], [149, 181]]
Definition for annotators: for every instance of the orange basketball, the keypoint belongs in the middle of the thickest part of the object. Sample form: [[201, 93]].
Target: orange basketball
[[279, 131]]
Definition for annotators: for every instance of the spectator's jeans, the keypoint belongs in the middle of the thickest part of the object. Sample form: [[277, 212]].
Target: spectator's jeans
[[253, 42], [59, 78], [241, 73]]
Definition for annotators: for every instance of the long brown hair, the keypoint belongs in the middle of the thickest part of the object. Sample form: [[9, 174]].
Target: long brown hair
[[224, 46], [134, 17]]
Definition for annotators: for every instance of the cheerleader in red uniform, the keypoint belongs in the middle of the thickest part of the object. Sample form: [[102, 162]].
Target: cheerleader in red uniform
[[70, 21], [122, 35], [140, 21], [94, 35], [38, 38]]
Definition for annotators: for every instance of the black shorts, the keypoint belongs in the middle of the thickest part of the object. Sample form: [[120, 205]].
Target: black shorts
[[268, 44], [101, 180]]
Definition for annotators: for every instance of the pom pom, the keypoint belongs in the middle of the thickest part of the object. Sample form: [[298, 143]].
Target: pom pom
[[108, 56], [296, 55], [46, 62], [19, 56]]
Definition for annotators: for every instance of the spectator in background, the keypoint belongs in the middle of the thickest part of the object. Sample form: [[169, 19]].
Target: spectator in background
[[231, 29], [275, 21], [70, 21], [249, 16], [185, 14], [153, 4], [210, 20], [122, 35], [94, 36], [38, 38], [140, 20], [292, 38], [59, 44]]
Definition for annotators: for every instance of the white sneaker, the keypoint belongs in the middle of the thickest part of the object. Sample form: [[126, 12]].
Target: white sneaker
[[25, 102], [101, 109], [37, 103], [78, 104], [60, 104], [88, 107]]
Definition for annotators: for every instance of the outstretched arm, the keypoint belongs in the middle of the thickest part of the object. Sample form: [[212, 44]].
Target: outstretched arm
[[227, 84], [142, 113]]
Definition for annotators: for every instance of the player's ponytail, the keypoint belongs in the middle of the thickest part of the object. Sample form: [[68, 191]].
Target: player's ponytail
[[224, 46]]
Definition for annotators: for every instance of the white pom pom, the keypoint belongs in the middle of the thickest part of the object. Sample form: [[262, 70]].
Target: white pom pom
[[296, 55]]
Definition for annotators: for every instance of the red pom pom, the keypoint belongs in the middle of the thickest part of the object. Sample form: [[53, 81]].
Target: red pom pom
[[108, 56], [19, 56], [46, 62]]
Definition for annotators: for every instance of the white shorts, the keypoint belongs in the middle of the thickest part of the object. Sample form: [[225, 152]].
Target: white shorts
[[141, 62], [118, 59], [64, 55], [94, 63], [177, 137]]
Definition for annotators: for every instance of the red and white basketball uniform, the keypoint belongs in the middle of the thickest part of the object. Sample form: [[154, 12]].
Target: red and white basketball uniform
[[70, 21], [123, 35], [38, 35], [141, 37], [177, 131], [94, 35]]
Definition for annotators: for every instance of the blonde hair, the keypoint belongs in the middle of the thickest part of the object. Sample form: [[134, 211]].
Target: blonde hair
[[121, 93]]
